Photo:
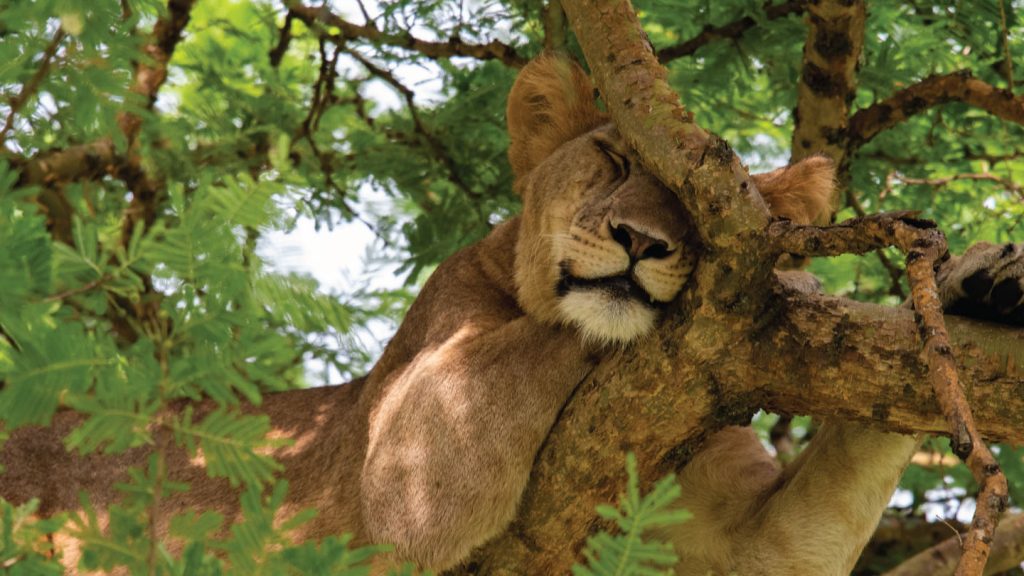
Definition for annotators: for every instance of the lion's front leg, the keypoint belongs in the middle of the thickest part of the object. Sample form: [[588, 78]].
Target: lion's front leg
[[452, 441]]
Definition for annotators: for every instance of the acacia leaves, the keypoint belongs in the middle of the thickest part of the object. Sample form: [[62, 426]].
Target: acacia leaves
[[628, 552]]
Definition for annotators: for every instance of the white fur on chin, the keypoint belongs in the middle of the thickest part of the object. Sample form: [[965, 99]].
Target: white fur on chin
[[604, 319]]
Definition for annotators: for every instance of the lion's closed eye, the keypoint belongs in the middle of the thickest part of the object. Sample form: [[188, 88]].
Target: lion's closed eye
[[618, 160]]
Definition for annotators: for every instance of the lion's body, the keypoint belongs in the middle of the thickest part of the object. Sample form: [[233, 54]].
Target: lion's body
[[433, 449]]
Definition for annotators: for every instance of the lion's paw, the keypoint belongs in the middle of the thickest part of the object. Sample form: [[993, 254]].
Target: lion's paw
[[987, 282]]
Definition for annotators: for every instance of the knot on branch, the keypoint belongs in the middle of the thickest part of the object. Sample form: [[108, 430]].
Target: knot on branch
[[716, 152]]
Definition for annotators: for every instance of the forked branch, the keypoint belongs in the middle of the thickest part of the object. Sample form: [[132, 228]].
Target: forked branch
[[925, 247]]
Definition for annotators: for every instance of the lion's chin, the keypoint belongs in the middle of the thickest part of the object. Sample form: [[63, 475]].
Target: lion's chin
[[607, 318]]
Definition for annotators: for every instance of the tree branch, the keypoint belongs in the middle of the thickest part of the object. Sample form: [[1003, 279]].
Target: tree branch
[[283, 41], [493, 50], [1006, 183], [555, 30], [828, 83], [899, 537], [432, 142], [895, 272], [151, 71], [84, 161], [733, 30], [934, 90], [941, 559], [30, 87], [859, 362]]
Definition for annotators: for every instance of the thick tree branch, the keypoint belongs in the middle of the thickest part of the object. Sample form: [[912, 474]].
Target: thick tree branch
[[79, 162], [932, 91], [555, 26], [860, 362], [493, 50], [732, 30], [899, 537], [828, 83]]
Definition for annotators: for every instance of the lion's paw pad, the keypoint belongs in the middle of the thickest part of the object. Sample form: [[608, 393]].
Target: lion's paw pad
[[987, 282]]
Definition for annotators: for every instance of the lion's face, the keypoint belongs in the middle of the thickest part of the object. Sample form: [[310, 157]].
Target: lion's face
[[603, 245]]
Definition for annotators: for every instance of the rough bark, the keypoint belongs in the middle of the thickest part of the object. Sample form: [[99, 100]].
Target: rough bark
[[828, 79]]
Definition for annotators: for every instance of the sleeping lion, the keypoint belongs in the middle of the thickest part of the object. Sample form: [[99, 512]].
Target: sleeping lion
[[431, 451]]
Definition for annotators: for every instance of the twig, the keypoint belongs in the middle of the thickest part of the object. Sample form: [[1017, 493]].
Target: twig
[[284, 40], [1010, 185], [1005, 36], [435, 145], [362, 9], [895, 272], [33, 83], [493, 50], [938, 89], [79, 290], [925, 247], [732, 30]]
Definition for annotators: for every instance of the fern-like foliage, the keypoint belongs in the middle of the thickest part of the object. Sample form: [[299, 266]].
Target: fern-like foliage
[[628, 552], [23, 545]]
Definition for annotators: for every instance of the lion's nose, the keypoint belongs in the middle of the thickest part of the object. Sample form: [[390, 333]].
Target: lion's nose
[[639, 245]]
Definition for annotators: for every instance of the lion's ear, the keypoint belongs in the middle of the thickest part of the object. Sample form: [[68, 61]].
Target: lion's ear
[[551, 103], [801, 192]]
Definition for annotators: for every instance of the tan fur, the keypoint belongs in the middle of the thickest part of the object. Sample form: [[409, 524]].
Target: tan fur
[[800, 192], [433, 449]]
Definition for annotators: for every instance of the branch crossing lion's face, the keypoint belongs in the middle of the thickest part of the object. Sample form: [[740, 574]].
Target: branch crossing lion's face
[[603, 245]]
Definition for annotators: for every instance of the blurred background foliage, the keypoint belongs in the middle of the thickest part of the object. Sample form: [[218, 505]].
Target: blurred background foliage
[[386, 117]]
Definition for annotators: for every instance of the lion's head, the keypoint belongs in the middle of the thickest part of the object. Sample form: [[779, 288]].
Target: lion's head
[[603, 245]]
